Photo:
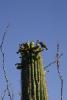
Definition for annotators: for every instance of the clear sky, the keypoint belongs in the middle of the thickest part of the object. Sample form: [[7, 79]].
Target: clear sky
[[45, 20]]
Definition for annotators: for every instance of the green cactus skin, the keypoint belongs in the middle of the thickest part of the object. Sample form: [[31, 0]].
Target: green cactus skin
[[33, 83]]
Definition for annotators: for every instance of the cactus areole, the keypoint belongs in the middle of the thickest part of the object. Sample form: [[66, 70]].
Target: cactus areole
[[33, 83]]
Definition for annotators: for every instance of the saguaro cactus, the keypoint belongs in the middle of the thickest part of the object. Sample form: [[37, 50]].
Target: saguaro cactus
[[33, 83]]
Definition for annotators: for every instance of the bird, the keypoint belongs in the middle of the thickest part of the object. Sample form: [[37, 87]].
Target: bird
[[42, 44]]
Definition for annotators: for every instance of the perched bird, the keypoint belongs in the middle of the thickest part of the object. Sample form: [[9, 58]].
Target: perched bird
[[42, 44]]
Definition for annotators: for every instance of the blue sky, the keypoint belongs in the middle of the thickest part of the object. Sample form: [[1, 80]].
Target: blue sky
[[45, 20]]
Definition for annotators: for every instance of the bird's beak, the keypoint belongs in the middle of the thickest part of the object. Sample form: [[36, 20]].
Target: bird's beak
[[46, 48]]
